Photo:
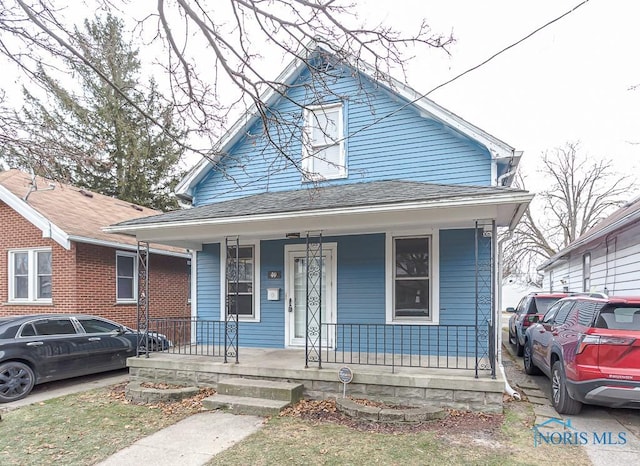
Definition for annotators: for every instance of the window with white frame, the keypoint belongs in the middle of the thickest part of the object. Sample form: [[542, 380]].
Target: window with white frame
[[241, 280], [411, 278], [586, 272], [30, 275], [323, 155], [126, 277]]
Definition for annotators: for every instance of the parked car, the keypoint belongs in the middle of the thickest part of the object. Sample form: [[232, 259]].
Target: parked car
[[46, 347], [530, 308], [590, 349]]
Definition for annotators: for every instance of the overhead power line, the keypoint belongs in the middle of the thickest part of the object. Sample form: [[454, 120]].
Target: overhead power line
[[439, 86]]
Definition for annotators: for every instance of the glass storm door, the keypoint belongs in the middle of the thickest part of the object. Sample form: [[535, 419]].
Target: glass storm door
[[296, 293]]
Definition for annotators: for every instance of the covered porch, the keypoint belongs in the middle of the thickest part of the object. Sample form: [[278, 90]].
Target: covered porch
[[394, 279]]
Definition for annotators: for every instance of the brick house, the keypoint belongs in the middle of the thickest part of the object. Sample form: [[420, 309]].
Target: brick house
[[54, 256]]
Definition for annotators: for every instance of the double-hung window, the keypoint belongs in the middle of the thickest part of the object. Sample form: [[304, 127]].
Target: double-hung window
[[240, 281], [411, 278], [126, 277], [30, 275], [586, 272], [323, 156]]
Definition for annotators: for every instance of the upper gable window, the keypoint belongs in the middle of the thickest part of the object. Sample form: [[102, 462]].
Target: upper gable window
[[323, 156]]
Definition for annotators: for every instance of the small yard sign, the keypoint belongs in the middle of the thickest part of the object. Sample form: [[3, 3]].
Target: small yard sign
[[346, 376]]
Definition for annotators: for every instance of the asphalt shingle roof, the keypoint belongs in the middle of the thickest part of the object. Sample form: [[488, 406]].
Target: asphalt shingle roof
[[78, 212], [325, 198]]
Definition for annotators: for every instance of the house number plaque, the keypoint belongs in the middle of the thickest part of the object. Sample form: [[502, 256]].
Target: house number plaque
[[346, 376]]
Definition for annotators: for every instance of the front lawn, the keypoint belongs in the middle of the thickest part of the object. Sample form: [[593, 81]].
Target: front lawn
[[83, 429]]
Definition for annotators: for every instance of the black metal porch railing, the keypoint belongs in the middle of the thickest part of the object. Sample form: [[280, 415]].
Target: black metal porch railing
[[438, 346], [192, 336], [442, 346]]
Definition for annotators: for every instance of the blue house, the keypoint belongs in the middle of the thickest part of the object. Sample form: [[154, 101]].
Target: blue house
[[363, 231]]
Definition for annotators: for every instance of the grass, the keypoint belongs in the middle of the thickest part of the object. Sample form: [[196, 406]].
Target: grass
[[86, 428], [77, 429], [294, 441]]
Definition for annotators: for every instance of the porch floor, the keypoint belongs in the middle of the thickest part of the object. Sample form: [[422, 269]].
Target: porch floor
[[455, 388]]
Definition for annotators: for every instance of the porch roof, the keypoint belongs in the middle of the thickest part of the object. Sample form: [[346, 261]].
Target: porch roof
[[333, 209]]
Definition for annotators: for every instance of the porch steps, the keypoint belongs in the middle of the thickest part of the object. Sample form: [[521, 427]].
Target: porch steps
[[257, 397]]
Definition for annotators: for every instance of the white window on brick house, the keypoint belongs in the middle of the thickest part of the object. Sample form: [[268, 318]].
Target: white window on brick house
[[30, 275], [126, 277], [323, 153]]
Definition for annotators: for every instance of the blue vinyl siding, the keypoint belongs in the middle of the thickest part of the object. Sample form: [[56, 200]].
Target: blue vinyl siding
[[360, 294], [458, 279], [208, 289], [405, 146]]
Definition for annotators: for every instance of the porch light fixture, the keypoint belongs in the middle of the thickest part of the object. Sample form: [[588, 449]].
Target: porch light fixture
[[293, 235]]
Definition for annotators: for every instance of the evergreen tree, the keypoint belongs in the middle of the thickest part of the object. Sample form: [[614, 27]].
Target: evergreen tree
[[90, 136]]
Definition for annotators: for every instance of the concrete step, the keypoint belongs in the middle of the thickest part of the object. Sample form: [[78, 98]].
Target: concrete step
[[245, 405], [266, 389]]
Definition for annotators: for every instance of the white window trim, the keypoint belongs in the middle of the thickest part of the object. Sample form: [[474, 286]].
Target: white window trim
[[135, 278], [586, 273], [32, 292], [434, 277], [256, 281], [307, 159]]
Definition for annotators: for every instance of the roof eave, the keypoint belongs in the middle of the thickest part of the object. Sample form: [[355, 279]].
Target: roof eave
[[621, 223], [126, 246], [48, 228], [521, 199]]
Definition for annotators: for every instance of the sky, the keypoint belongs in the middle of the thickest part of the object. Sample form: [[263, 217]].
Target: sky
[[572, 81]]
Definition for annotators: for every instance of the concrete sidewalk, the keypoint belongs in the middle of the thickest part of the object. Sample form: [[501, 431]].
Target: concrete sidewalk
[[190, 442]]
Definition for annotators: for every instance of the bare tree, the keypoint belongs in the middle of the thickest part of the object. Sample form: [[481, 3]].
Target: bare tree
[[580, 194], [213, 54]]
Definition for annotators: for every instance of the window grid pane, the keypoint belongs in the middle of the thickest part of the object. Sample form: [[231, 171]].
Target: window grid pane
[[244, 282], [44, 274], [30, 275], [125, 270], [411, 277]]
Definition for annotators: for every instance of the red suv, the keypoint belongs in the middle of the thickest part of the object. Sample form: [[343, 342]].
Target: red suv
[[590, 349], [530, 309]]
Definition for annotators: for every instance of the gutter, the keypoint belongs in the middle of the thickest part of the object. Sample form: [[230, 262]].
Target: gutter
[[313, 213], [606, 231], [507, 387]]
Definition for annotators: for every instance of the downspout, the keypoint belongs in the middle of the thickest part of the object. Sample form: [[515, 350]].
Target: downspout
[[507, 388], [504, 176]]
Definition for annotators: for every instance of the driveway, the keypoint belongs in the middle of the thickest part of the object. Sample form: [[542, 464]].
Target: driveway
[[50, 390], [592, 419]]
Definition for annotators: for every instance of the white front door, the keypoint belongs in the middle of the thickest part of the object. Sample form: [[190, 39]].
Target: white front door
[[296, 293]]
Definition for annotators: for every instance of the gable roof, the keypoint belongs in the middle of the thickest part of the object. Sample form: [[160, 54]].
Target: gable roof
[[336, 208], [627, 215], [66, 213], [497, 148]]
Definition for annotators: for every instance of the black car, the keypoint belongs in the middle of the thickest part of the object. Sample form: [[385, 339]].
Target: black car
[[46, 347], [530, 309]]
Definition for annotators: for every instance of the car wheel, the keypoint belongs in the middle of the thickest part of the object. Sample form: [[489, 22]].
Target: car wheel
[[512, 339], [560, 398], [519, 347], [16, 381], [529, 367]]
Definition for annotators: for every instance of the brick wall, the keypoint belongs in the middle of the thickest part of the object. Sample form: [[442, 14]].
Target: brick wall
[[16, 232], [84, 278], [96, 278]]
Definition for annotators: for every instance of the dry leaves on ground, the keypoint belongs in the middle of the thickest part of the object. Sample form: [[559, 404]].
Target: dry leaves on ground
[[455, 421], [186, 406]]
